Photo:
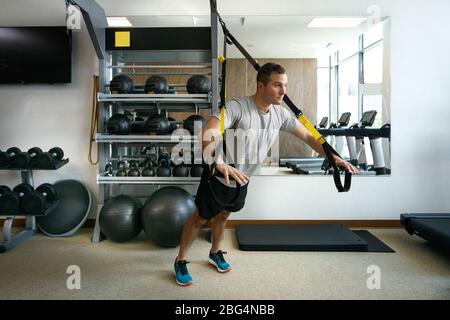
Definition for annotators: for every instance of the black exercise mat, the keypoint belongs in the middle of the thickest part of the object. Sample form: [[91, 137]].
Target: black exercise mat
[[298, 237], [307, 238], [373, 243]]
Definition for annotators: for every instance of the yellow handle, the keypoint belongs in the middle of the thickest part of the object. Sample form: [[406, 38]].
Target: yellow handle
[[311, 128], [222, 120]]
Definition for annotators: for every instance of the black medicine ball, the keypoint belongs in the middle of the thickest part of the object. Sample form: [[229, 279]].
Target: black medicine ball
[[198, 84], [121, 84], [156, 84], [118, 124], [157, 124], [189, 123]]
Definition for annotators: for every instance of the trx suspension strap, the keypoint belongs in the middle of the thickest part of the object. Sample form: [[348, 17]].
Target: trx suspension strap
[[212, 171], [329, 151]]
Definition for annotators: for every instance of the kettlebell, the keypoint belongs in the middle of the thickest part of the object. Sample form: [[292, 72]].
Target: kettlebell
[[164, 168], [180, 170], [148, 171], [196, 170], [134, 171]]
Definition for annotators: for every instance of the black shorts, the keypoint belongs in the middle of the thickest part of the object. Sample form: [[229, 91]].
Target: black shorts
[[207, 207]]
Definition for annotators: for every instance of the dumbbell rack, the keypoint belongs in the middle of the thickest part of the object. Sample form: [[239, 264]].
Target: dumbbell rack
[[10, 240]]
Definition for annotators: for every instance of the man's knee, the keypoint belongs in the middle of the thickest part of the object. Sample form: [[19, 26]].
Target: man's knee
[[198, 220], [223, 216]]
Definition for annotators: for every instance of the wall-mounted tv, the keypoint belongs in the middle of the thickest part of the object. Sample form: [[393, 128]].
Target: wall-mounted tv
[[35, 55]]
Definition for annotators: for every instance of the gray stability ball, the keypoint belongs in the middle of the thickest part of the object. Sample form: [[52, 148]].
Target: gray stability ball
[[120, 218], [164, 214]]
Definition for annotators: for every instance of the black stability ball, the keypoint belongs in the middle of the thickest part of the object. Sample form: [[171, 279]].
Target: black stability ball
[[198, 84], [69, 212], [156, 84], [120, 218], [121, 84], [164, 214]]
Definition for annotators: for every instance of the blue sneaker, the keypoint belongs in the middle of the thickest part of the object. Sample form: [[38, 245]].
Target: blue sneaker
[[217, 260], [182, 275]]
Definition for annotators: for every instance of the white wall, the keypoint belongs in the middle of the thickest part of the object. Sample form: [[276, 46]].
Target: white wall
[[420, 115], [51, 115]]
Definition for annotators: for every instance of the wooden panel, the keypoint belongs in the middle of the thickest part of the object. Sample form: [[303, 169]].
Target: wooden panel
[[302, 89], [236, 79], [174, 79]]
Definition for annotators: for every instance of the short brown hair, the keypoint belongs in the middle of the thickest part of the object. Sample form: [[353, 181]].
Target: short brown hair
[[266, 70]]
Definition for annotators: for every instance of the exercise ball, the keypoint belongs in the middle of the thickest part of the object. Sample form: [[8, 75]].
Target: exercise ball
[[164, 214], [120, 218], [156, 84], [121, 84], [69, 212], [198, 84]]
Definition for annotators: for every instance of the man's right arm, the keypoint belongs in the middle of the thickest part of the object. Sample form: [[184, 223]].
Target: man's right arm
[[210, 136]]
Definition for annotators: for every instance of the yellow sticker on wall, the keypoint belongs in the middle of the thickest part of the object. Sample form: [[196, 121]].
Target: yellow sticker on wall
[[122, 38]]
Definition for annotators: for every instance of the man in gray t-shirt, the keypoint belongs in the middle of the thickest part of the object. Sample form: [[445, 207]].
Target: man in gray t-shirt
[[256, 121], [252, 132]]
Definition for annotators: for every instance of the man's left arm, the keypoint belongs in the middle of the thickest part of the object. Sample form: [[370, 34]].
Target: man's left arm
[[303, 134]]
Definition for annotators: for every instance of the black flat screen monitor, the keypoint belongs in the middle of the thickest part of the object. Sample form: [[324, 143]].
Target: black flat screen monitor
[[35, 55]]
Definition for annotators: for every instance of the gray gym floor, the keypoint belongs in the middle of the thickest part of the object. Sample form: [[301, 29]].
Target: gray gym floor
[[37, 269]]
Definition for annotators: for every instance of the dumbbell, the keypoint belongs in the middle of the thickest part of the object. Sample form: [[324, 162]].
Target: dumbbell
[[10, 200], [47, 160], [27, 159], [7, 157], [3, 190], [38, 201]]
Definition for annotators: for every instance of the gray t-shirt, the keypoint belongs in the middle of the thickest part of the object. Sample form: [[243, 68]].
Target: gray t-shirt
[[254, 132]]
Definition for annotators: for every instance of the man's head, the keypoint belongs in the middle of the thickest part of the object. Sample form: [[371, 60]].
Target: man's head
[[271, 83]]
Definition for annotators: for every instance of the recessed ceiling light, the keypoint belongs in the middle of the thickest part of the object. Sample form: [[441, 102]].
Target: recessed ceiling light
[[118, 22], [336, 22]]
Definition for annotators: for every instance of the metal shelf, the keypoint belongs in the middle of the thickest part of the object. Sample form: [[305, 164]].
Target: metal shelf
[[156, 98], [181, 66], [148, 180], [104, 138]]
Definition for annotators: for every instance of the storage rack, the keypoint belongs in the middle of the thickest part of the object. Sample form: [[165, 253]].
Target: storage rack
[[144, 55]]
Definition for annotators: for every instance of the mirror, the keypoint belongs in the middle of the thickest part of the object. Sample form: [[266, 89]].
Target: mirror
[[336, 76]]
